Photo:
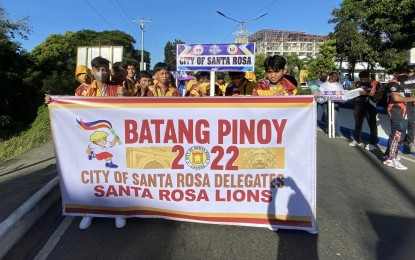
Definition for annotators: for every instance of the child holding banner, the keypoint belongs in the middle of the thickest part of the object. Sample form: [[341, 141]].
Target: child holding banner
[[162, 87], [100, 87], [143, 83], [240, 85], [275, 84]]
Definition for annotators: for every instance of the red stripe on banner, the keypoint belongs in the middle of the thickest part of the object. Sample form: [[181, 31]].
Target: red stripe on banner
[[262, 221], [198, 100]]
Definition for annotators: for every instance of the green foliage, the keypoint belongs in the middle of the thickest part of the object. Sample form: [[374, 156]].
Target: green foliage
[[259, 66], [11, 29], [170, 54], [38, 133], [55, 58], [372, 31], [303, 91], [294, 64], [324, 61], [17, 98]]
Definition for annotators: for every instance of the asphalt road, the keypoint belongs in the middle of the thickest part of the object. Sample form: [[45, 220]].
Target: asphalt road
[[365, 210]]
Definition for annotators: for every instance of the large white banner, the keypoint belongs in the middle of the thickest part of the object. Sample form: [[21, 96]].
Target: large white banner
[[238, 160]]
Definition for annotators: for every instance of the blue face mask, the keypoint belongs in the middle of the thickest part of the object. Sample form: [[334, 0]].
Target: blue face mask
[[101, 76]]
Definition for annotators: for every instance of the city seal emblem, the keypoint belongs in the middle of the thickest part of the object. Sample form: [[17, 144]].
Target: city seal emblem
[[197, 157]]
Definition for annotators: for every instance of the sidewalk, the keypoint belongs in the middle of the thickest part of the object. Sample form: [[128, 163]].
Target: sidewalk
[[28, 187]]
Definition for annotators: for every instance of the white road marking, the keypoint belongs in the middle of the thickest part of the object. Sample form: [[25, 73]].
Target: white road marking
[[54, 239]]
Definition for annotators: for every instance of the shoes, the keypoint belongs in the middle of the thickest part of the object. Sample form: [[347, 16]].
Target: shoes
[[395, 164], [338, 135], [354, 143], [398, 158], [111, 165], [370, 147], [120, 222], [412, 147], [85, 222]]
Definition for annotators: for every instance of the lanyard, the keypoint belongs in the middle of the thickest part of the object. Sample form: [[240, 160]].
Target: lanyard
[[103, 92]]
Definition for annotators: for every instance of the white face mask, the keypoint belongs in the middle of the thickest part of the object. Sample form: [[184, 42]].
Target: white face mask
[[101, 76]]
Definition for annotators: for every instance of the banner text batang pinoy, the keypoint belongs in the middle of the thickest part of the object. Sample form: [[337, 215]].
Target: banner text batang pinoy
[[170, 131]]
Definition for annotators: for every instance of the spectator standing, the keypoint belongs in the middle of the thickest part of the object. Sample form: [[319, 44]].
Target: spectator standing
[[333, 85], [397, 111], [409, 139], [323, 78], [347, 83], [365, 107]]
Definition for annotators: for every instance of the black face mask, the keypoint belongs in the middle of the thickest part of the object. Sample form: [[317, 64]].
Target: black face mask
[[402, 78]]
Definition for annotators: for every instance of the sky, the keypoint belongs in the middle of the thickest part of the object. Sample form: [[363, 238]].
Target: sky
[[190, 21]]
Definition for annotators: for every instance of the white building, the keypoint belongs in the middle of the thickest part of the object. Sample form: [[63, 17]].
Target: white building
[[271, 42]]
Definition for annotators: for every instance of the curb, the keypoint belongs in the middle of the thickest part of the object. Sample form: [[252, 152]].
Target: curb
[[19, 222]]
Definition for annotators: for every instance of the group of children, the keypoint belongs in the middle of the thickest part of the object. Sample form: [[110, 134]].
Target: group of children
[[162, 83], [122, 80]]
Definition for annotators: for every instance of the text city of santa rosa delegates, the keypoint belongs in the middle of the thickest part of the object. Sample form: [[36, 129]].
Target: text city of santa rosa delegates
[[190, 187]]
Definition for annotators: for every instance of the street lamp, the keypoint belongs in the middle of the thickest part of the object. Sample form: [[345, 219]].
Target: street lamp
[[242, 31]]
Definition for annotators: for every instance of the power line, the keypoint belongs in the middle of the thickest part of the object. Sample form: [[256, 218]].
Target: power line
[[99, 14], [125, 22], [242, 32], [264, 8]]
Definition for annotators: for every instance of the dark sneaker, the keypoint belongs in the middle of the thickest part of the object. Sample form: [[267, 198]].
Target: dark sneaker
[[111, 165]]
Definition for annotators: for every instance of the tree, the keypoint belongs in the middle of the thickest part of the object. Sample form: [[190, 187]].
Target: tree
[[294, 65], [324, 61], [170, 54], [371, 30], [259, 66], [55, 58], [17, 99]]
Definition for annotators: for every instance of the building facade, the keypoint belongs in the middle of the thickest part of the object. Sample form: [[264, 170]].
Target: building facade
[[271, 42]]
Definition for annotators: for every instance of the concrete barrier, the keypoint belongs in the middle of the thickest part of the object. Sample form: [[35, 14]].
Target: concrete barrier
[[20, 221]]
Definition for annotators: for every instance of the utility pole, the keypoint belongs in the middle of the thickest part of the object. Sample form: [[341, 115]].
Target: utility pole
[[142, 24]]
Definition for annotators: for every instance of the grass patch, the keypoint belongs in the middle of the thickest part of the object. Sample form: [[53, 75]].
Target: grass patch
[[38, 133]]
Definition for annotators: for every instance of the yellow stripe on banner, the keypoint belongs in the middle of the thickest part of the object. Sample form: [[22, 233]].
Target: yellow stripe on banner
[[195, 214], [188, 105], [245, 50], [185, 51]]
